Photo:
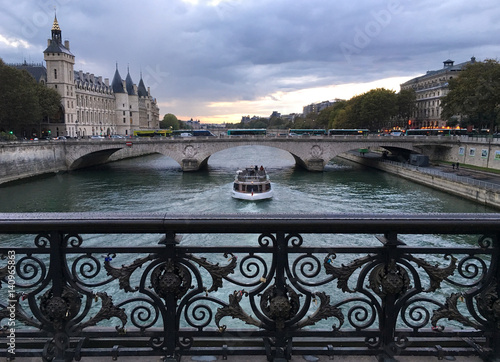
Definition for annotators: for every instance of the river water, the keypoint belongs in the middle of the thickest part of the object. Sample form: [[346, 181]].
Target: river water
[[156, 183]]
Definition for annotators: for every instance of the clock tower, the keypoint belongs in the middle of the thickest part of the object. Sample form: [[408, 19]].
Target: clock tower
[[60, 76]]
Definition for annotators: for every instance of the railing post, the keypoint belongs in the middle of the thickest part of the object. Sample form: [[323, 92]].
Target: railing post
[[60, 303], [282, 344], [391, 288], [171, 327]]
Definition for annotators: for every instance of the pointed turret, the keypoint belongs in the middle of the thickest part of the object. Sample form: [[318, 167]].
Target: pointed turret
[[117, 83], [141, 89], [56, 31], [129, 84]]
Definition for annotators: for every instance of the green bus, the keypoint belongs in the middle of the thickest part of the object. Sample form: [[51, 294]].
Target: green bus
[[348, 132], [246, 132], [307, 132]]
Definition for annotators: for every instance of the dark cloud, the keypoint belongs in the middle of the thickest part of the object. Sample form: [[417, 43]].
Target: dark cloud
[[195, 54]]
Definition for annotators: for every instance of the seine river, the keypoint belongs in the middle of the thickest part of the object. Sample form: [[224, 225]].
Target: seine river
[[156, 183]]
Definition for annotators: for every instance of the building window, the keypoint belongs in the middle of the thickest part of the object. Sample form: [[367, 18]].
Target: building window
[[55, 73], [124, 120]]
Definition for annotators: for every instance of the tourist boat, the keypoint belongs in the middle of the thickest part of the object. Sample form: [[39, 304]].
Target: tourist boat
[[252, 183]]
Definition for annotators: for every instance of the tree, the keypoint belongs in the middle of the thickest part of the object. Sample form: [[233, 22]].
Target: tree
[[24, 103], [19, 104], [475, 95], [169, 121], [377, 108], [49, 101], [406, 105], [337, 114]]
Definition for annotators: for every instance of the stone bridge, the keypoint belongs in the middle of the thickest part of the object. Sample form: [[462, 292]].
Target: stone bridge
[[192, 154]]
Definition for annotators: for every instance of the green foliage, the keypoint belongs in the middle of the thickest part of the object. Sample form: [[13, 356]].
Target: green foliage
[[49, 101], [373, 110], [256, 123], [24, 102], [474, 96], [406, 104], [170, 121], [7, 136]]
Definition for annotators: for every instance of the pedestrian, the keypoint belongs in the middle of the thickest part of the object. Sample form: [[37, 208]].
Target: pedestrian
[[453, 165], [457, 165]]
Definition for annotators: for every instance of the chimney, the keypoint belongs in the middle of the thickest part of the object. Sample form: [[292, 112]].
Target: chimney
[[106, 81], [66, 44]]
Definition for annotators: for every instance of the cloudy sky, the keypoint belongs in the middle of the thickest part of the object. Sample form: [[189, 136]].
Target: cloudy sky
[[217, 60]]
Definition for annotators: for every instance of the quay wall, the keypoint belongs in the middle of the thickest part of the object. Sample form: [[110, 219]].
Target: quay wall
[[475, 151], [19, 161], [488, 197]]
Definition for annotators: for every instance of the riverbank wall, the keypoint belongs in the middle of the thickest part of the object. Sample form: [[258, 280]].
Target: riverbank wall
[[29, 160], [481, 194], [22, 160]]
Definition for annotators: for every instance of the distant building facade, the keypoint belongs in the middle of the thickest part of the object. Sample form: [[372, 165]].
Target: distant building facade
[[318, 107], [429, 89], [89, 104]]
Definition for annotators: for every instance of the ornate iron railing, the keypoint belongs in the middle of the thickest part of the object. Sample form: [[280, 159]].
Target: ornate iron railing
[[91, 284]]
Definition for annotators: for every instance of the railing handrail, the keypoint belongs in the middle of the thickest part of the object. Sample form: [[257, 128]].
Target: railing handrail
[[92, 222]]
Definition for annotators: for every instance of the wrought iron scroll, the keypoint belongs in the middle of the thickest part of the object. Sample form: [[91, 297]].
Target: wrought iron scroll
[[276, 291]]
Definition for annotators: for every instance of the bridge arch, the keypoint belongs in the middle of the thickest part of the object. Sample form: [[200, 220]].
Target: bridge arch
[[311, 153]]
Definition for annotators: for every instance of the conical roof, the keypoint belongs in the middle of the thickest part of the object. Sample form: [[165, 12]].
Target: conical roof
[[141, 89], [129, 84], [117, 84]]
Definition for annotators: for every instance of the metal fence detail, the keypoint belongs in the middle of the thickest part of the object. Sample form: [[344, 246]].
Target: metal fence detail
[[279, 292]]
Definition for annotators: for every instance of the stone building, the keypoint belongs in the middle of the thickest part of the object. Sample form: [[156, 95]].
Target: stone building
[[429, 89], [89, 104]]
